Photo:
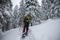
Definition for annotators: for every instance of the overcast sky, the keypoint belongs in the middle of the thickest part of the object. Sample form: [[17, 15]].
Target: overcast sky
[[16, 2]]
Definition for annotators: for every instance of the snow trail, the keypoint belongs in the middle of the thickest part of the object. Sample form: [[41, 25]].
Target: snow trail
[[15, 34], [50, 30]]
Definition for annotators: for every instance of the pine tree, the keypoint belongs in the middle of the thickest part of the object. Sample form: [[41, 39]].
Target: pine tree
[[32, 6], [51, 8], [16, 16], [5, 9]]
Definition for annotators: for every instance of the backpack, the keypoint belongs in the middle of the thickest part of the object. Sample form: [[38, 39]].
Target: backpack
[[27, 19]]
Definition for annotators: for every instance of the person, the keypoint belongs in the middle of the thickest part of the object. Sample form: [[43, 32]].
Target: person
[[27, 20]]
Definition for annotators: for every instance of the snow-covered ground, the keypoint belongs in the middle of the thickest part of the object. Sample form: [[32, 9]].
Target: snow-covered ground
[[49, 30]]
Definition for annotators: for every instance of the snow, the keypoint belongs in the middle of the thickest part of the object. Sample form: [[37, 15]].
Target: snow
[[15, 2], [49, 30], [40, 2]]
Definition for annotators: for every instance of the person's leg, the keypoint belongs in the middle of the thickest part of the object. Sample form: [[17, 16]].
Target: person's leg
[[23, 29], [23, 35], [27, 28]]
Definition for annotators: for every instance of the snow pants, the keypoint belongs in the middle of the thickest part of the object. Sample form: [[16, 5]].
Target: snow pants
[[26, 27]]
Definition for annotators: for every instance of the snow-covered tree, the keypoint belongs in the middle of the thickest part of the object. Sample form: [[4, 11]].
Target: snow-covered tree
[[5, 10], [51, 8], [31, 6], [16, 17]]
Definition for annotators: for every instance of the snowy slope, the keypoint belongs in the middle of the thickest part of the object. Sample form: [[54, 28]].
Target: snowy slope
[[15, 34], [49, 30]]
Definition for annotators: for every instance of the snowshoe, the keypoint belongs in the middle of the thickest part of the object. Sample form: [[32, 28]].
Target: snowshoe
[[23, 36], [26, 34]]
